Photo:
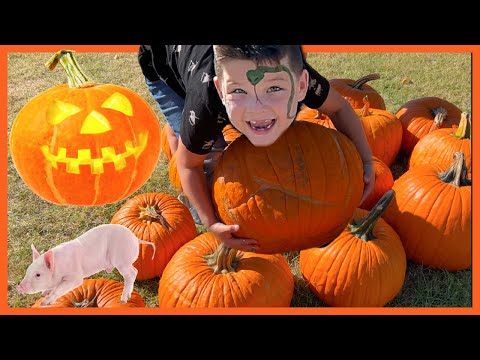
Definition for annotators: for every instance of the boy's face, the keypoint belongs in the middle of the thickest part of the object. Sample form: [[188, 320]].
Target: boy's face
[[261, 101]]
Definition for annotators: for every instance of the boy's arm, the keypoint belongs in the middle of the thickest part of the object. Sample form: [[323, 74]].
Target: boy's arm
[[347, 122], [194, 184]]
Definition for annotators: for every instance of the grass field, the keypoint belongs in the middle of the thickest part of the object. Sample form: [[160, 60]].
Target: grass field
[[404, 76]]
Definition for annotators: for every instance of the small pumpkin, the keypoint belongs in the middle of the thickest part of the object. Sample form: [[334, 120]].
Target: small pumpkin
[[205, 274], [173, 174], [355, 90], [84, 143], [424, 115], [383, 131], [101, 293], [383, 182], [364, 266], [314, 116], [164, 144], [299, 192], [159, 218], [432, 214], [230, 133], [439, 146]]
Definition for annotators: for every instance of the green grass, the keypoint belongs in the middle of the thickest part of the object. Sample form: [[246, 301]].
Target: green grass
[[404, 76]]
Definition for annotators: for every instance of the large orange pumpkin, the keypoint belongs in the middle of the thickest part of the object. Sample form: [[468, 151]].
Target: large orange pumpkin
[[159, 218], [439, 146], [364, 266], [85, 143], [432, 213], [355, 90], [299, 192], [204, 273], [383, 131], [101, 293], [383, 182], [424, 115], [165, 146]]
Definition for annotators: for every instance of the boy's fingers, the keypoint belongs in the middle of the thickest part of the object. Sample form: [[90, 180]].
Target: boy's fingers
[[242, 244]]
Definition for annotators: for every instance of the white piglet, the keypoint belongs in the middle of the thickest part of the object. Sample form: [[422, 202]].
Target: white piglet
[[63, 268]]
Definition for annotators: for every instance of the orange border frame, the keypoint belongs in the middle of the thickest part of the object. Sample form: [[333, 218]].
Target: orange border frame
[[5, 310]]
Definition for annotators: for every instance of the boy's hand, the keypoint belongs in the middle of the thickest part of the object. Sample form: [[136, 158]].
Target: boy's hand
[[368, 179], [224, 232]]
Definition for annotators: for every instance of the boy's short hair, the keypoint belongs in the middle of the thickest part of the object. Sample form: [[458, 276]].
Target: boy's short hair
[[260, 54]]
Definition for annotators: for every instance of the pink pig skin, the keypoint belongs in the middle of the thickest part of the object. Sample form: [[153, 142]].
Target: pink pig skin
[[63, 268]]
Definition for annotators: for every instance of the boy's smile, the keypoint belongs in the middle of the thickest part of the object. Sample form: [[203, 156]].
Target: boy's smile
[[261, 101]]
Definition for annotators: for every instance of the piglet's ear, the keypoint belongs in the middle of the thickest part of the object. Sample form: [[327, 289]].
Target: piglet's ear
[[35, 253], [48, 257]]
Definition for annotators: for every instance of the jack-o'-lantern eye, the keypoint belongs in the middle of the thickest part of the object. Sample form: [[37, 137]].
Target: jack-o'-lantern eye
[[118, 102], [58, 111]]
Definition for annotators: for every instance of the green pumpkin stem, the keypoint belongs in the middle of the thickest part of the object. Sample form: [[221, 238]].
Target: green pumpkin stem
[[223, 260], [366, 106], [85, 303], [363, 228], [457, 173], [75, 76], [360, 82], [149, 214], [464, 130]]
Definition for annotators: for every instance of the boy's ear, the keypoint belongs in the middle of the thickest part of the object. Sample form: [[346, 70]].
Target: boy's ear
[[303, 85], [218, 86]]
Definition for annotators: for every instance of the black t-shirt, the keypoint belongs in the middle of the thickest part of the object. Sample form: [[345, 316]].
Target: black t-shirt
[[189, 71]]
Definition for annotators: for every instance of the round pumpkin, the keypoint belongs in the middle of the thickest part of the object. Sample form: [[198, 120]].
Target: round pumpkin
[[101, 293], [205, 274], [314, 116], [164, 144], [230, 133], [173, 174], [364, 266], [424, 115], [383, 182], [299, 192], [159, 218], [439, 146], [432, 214], [84, 143], [355, 90], [383, 131]]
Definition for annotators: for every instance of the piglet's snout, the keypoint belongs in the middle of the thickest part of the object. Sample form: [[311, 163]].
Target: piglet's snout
[[21, 288]]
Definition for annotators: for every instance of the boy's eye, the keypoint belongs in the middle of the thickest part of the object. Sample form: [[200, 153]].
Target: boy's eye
[[274, 88], [237, 91]]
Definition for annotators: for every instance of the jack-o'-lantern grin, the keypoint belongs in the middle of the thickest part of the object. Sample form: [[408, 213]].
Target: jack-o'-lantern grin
[[94, 123]]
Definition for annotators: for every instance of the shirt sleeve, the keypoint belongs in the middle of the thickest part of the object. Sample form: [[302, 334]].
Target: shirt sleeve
[[146, 62], [204, 115], [318, 88]]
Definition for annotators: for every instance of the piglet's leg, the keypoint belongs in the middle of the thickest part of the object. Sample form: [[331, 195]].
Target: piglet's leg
[[66, 285], [129, 274]]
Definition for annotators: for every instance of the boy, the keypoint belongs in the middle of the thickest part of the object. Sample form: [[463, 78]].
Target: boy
[[258, 88]]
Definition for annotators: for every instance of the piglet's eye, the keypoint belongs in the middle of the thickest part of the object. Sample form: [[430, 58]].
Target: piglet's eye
[[37, 275]]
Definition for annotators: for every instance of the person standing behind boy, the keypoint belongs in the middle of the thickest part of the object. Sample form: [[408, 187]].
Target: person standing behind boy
[[256, 88]]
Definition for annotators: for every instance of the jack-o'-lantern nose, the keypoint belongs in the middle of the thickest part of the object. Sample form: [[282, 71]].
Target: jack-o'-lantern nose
[[95, 123]]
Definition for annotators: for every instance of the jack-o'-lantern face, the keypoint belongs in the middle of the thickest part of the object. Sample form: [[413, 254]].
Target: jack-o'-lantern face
[[87, 146]]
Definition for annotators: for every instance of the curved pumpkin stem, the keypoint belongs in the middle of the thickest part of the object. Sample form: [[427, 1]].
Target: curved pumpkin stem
[[457, 173], [223, 260], [85, 303], [360, 82], [464, 130], [366, 106], [363, 228], [149, 214], [440, 115], [75, 76]]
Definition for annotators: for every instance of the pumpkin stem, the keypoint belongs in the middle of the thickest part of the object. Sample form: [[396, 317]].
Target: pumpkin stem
[[75, 76], [85, 303], [366, 106], [223, 260], [457, 173], [363, 228], [440, 115], [464, 130], [149, 214], [360, 82]]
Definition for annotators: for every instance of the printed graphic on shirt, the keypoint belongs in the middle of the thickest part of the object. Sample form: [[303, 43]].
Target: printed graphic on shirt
[[220, 119], [192, 65], [207, 144], [192, 118], [177, 48], [205, 77], [315, 86]]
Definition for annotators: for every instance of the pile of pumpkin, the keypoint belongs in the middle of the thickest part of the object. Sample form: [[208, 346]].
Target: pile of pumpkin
[[301, 194]]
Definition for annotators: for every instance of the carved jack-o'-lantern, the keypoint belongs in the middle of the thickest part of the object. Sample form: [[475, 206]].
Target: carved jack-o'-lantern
[[85, 143]]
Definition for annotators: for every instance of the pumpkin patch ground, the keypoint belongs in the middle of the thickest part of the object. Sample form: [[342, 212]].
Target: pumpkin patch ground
[[31, 219]]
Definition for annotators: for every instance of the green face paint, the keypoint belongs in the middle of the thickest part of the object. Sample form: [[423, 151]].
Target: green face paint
[[255, 76]]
